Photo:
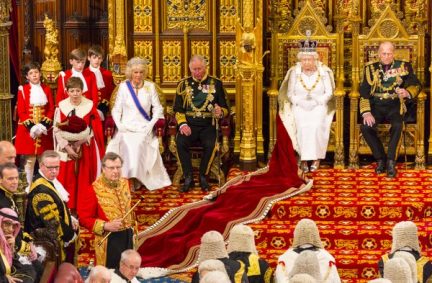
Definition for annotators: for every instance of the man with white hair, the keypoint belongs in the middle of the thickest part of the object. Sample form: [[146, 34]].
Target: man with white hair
[[99, 274], [307, 238], [213, 247], [387, 84], [405, 239], [241, 247], [210, 265], [130, 263]]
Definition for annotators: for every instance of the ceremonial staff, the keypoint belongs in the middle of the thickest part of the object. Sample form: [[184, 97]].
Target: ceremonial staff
[[123, 218]]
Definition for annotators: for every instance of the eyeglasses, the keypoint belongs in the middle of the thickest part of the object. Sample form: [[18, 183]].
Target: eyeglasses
[[131, 267], [113, 167], [52, 167]]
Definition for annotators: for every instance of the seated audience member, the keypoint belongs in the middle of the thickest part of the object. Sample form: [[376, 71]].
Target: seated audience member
[[77, 59], [215, 277], [101, 208], [213, 247], [302, 278], [79, 140], [35, 108], [307, 263], [130, 263], [20, 267], [8, 186], [136, 110], [210, 265], [306, 237], [397, 270], [99, 274], [67, 273], [241, 247], [46, 205], [405, 239], [7, 152]]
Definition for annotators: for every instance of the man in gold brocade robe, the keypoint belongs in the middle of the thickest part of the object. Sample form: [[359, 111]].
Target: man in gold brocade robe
[[102, 207]]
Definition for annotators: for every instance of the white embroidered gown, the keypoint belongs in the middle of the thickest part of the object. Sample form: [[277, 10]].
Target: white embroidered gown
[[134, 140]]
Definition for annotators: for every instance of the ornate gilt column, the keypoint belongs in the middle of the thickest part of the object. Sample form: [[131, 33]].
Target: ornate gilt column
[[117, 39], [51, 66], [354, 94], [280, 21], [5, 95], [249, 82]]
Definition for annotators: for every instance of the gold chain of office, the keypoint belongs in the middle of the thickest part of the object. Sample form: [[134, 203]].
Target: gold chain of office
[[309, 90]]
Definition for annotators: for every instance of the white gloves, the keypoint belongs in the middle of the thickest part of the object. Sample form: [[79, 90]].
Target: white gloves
[[307, 104], [101, 115], [37, 130]]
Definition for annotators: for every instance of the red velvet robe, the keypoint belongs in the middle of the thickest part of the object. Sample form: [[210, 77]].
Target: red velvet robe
[[28, 117], [79, 174], [90, 78], [104, 94]]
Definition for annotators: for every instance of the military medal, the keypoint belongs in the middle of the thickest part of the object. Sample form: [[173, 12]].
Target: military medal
[[200, 86]]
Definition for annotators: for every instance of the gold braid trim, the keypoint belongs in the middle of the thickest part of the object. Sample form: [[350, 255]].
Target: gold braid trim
[[180, 117], [25, 248], [98, 227], [364, 105], [254, 267], [239, 274], [420, 265], [268, 275], [413, 90], [46, 183]]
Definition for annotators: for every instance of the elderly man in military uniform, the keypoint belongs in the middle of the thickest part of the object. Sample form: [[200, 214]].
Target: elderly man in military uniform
[[385, 87], [199, 102]]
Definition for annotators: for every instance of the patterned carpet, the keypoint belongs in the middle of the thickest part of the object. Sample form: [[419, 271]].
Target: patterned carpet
[[354, 209]]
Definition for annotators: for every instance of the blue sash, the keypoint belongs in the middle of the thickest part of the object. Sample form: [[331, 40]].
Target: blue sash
[[137, 103]]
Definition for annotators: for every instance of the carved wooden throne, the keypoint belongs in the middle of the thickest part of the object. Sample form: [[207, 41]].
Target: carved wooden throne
[[410, 47], [330, 50]]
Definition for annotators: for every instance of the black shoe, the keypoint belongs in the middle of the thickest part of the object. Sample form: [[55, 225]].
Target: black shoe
[[188, 184], [203, 183], [391, 169], [380, 166]]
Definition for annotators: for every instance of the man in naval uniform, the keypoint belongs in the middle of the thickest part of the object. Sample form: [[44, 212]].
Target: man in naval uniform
[[385, 87], [199, 102]]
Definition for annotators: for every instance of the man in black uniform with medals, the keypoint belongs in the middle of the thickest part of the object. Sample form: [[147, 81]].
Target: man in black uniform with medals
[[385, 87], [199, 102]]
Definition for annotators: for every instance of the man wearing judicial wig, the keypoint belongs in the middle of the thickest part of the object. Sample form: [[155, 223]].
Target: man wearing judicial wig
[[386, 85]]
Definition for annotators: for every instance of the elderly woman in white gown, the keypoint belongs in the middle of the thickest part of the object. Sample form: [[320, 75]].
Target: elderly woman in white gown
[[307, 107], [136, 110]]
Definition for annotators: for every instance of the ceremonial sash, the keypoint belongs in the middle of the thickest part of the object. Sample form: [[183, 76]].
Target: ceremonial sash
[[137, 103]]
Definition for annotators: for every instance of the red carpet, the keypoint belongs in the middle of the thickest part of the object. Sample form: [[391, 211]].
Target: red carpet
[[355, 211], [174, 241]]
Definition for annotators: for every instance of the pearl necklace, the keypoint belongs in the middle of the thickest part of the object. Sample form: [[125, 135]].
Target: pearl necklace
[[309, 90]]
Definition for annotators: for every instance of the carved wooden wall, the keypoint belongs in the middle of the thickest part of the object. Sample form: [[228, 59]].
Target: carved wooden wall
[[80, 24]]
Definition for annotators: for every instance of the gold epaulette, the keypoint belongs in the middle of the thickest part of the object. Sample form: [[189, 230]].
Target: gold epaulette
[[180, 90]]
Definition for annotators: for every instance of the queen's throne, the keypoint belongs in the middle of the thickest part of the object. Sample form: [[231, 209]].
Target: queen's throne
[[330, 51], [386, 26]]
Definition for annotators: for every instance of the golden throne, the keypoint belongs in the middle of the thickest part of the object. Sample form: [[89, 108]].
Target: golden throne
[[330, 51], [387, 27]]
